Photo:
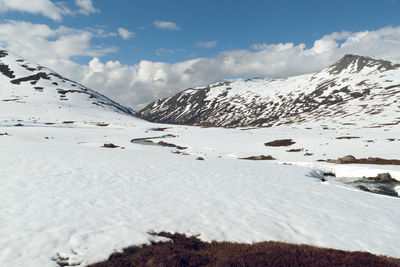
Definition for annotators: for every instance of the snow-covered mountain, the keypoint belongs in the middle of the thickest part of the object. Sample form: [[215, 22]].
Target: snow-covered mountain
[[356, 89], [33, 93]]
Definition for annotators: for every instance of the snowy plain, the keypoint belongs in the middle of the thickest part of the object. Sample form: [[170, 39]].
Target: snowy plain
[[66, 196]]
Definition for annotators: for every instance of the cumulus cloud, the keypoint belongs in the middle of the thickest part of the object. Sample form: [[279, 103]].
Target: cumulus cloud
[[43, 7], [51, 9], [209, 44], [166, 25], [138, 84], [125, 34], [61, 43], [147, 81], [86, 7]]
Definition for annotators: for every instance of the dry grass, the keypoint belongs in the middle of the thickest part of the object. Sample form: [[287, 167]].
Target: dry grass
[[190, 251], [261, 157], [162, 143], [110, 145], [295, 150], [370, 160], [281, 142], [347, 137]]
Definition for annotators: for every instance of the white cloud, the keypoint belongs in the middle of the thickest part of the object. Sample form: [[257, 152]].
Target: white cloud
[[209, 44], [125, 34], [62, 43], [48, 8], [86, 7], [166, 25], [137, 85], [44, 7]]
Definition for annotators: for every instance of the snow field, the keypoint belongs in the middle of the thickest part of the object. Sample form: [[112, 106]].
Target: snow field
[[68, 196]]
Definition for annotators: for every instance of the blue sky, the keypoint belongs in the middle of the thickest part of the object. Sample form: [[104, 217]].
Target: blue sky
[[137, 51], [232, 24]]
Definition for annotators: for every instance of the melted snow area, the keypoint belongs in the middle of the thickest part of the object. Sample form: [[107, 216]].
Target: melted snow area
[[64, 197]]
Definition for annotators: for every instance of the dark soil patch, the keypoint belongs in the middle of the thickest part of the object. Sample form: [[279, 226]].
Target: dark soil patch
[[110, 145], [19, 124], [281, 142], [68, 122], [347, 137], [190, 251], [199, 158], [261, 157], [1, 134]]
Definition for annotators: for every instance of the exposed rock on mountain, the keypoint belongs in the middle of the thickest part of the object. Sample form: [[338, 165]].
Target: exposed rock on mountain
[[29, 92], [355, 90]]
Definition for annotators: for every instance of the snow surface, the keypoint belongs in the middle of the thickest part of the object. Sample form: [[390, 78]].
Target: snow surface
[[63, 195], [67, 196]]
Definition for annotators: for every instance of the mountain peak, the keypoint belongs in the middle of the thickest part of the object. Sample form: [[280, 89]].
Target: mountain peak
[[354, 64]]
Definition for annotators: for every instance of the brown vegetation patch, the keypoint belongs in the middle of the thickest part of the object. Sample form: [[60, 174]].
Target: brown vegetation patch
[[162, 143], [261, 157], [199, 158], [110, 145], [281, 142], [351, 159], [68, 122], [295, 150], [102, 124], [191, 251], [347, 137], [1, 134], [159, 129]]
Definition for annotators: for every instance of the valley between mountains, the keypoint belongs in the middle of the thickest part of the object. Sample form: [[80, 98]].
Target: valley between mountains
[[241, 160]]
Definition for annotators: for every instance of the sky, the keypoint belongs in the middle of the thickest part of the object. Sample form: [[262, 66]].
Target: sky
[[138, 51]]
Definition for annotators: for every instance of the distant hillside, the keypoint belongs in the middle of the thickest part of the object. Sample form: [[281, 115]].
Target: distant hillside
[[356, 90]]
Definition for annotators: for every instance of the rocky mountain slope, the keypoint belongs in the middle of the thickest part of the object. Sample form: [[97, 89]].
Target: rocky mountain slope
[[355, 90], [33, 93]]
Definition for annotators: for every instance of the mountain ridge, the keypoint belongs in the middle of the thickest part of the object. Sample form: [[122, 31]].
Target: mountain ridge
[[352, 86], [31, 92]]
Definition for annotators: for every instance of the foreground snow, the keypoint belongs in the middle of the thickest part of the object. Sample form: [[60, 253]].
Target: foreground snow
[[67, 196]]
